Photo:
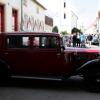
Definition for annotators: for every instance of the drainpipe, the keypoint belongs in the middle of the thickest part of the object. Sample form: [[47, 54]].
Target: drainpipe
[[99, 26], [99, 30], [21, 15]]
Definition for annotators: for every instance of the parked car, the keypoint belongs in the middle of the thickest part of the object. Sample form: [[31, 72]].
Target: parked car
[[19, 57], [95, 42]]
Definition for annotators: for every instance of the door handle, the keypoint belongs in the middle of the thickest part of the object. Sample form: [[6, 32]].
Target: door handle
[[6, 53], [58, 54]]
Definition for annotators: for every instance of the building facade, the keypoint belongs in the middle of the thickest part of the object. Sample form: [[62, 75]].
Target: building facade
[[74, 20], [22, 15], [48, 24], [9, 15], [67, 17], [2, 26], [33, 16]]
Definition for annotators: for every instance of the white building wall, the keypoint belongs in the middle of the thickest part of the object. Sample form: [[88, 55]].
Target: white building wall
[[8, 17], [64, 24], [74, 19], [48, 28], [62, 11], [9, 4], [33, 15]]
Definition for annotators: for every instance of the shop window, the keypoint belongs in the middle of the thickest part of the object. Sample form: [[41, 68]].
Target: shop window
[[64, 16], [64, 4]]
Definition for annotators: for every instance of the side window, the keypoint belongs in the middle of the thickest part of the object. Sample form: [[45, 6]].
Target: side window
[[17, 42], [50, 42], [45, 42], [25, 41], [36, 41]]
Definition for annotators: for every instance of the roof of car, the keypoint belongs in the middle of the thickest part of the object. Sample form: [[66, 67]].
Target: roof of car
[[32, 33]]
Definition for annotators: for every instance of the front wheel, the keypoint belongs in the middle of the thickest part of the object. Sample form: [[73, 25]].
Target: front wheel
[[4, 71], [92, 81]]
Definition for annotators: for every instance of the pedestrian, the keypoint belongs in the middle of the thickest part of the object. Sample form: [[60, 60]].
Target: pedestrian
[[70, 40], [89, 39], [82, 39], [78, 39], [74, 38]]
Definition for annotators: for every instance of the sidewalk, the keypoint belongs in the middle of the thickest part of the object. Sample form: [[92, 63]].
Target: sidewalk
[[92, 46], [86, 45]]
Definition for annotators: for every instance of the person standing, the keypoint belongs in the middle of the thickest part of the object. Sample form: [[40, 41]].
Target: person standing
[[74, 38], [78, 39], [82, 40], [89, 39]]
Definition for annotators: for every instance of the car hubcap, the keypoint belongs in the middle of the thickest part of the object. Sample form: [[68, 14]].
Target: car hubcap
[[97, 78]]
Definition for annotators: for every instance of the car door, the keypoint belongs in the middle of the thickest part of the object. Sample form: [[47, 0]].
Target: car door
[[48, 59], [17, 54]]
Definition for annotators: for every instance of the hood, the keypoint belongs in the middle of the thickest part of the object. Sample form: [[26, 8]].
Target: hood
[[85, 50]]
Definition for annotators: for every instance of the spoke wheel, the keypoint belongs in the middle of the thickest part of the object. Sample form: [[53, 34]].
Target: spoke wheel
[[93, 82]]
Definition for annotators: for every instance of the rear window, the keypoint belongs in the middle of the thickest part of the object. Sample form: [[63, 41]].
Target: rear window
[[17, 42]]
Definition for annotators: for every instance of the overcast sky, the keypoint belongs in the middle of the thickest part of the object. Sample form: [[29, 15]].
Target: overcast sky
[[86, 9]]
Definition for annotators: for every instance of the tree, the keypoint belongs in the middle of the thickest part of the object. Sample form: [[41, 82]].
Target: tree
[[64, 33], [75, 30], [55, 29]]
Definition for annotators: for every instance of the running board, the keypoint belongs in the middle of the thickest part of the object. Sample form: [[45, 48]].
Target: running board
[[38, 78]]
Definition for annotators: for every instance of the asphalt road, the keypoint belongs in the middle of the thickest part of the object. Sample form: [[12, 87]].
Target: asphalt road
[[27, 89]]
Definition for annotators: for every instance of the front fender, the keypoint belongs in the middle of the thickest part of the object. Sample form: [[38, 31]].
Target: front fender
[[85, 68], [4, 68]]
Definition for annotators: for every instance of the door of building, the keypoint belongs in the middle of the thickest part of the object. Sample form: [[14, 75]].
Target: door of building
[[2, 18], [15, 20]]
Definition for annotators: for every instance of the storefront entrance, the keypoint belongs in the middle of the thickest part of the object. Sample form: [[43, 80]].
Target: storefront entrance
[[15, 19], [2, 26]]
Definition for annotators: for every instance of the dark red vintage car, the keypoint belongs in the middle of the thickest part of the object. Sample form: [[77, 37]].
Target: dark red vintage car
[[29, 54]]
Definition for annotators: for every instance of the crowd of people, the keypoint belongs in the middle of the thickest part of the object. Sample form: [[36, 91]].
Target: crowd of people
[[78, 39]]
